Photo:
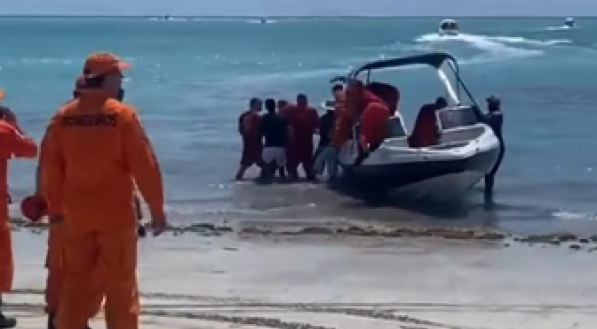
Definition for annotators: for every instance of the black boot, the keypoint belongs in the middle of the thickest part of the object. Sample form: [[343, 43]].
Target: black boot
[[141, 231], [51, 321], [6, 322]]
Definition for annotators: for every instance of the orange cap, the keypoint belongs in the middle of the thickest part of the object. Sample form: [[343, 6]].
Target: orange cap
[[2, 94], [101, 63]]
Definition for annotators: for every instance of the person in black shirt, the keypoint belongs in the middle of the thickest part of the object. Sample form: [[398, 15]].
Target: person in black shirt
[[274, 131], [325, 155], [495, 119]]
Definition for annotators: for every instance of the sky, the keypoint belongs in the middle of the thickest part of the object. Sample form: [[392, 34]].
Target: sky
[[302, 7]]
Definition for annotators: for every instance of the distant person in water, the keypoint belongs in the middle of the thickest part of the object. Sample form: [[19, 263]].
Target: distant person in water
[[248, 128], [273, 129], [495, 119]]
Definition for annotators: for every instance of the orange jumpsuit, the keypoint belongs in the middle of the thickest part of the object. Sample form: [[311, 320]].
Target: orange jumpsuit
[[55, 277], [94, 152], [374, 125], [54, 256], [12, 145], [248, 124], [349, 112], [304, 121], [54, 264], [343, 123]]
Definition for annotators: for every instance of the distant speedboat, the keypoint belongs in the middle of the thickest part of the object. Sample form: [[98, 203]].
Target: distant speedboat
[[569, 22], [448, 27]]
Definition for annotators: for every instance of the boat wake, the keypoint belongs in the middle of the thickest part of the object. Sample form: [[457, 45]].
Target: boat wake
[[492, 47], [559, 28]]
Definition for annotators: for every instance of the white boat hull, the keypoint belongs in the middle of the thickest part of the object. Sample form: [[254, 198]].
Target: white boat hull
[[449, 33], [445, 171]]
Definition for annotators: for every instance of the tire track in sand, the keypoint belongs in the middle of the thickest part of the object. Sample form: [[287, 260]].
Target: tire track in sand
[[240, 304]]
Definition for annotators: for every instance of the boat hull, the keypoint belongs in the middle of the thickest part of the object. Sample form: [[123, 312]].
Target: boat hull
[[451, 33], [440, 177], [434, 179]]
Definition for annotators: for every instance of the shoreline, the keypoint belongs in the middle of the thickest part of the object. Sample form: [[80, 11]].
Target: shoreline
[[375, 231]]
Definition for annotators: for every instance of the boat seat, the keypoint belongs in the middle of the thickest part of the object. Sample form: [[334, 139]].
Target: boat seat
[[386, 92]]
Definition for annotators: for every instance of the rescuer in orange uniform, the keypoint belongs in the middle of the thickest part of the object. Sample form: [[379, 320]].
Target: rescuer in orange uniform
[[348, 112], [304, 121], [374, 115], [13, 144], [54, 259], [94, 151]]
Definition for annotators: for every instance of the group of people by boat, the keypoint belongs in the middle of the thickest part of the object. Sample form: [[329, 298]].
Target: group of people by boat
[[283, 138], [93, 159]]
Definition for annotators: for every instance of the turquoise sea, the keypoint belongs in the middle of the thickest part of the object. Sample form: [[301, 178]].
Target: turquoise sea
[[192, 78]]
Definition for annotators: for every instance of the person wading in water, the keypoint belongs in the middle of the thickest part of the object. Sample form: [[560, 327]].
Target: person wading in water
[[495, 119]]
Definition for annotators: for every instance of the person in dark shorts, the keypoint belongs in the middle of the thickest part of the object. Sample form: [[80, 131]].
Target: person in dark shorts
[[273, 128], [495, 119]]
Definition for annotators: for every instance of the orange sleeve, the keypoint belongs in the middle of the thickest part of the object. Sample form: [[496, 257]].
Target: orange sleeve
[[51, 168], [141, 160], [21, 146], [370, 119], [365, 126], [38, 178]]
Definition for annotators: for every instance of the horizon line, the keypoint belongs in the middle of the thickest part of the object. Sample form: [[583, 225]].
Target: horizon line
[[284, 16]]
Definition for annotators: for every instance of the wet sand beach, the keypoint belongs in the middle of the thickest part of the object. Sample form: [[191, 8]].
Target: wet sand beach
[[316, 281]]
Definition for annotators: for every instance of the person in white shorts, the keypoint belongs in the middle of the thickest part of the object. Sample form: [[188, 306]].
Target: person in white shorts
[[274, 131]]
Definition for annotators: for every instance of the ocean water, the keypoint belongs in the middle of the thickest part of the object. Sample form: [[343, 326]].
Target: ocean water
[[192, 78]]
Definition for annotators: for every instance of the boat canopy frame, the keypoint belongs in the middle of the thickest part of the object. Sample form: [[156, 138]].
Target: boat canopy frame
[[434, 59]]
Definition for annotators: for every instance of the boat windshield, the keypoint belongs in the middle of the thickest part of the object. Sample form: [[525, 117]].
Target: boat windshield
[[449, 25], [457, 117]]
